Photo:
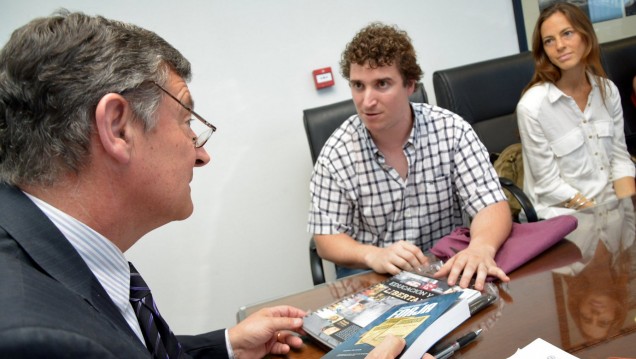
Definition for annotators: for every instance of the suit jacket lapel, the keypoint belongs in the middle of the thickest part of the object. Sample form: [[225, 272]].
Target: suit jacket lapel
[[46, 245]]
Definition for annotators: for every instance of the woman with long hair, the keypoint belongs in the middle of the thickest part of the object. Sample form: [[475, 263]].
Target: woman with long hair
[[570, 119]]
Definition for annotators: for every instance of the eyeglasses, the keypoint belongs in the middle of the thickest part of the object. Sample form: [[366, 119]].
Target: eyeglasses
[[203, 129]]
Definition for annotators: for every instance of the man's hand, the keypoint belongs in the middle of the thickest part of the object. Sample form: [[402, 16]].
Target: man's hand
[[488, 231], [347, 252], [475, 259], [395, 258], [390, 348], [268, 331]]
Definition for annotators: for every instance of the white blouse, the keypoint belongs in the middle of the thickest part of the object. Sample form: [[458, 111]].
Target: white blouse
[[566, 151]]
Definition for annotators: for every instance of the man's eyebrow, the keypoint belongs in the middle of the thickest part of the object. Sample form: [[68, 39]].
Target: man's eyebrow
[[187, 100], [386, 79]]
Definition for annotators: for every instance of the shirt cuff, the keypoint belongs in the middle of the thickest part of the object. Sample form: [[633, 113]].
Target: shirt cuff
[[230, 352]]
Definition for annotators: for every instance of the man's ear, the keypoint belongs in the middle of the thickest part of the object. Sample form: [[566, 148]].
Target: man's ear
[[411, 84], [113, 120]]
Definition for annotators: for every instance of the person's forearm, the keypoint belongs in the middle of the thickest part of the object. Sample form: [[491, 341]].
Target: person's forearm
[[491, 227], [624, 187], [343, 250]]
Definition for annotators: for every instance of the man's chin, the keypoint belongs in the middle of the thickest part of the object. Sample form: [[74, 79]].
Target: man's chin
[[185, 213]]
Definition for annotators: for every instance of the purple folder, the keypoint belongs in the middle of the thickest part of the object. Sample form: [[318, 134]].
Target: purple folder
[[526, 241]]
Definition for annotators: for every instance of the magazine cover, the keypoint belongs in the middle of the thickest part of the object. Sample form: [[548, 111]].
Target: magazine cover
[[338, 321], [420, 323]]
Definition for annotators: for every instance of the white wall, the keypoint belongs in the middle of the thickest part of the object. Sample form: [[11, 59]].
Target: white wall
[[252, 61]]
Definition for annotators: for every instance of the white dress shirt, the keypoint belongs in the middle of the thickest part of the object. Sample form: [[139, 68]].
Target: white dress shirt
[[103, 258], [106, 262], [566, 150]]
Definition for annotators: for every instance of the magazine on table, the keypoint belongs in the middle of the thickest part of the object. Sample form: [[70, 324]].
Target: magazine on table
[[421, 324], [342, 319]]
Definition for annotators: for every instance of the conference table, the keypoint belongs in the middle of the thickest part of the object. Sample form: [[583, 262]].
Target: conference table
[[579, 295]]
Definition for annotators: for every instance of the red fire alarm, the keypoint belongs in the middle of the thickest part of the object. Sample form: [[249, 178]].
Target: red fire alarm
[[323, 78]]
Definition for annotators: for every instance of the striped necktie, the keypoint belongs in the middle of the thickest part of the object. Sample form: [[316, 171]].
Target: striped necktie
[[160, 340]]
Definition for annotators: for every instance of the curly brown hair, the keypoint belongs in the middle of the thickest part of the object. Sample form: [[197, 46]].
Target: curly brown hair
[[380, 45]]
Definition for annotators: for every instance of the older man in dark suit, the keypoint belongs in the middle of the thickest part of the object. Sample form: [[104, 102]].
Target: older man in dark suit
[[98, 142]]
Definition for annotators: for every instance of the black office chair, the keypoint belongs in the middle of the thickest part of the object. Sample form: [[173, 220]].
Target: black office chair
[[619, 61], [485, 94], [320, 123]]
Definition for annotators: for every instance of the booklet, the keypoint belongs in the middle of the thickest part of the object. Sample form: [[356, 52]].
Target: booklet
[[421, 324], [342, 319]]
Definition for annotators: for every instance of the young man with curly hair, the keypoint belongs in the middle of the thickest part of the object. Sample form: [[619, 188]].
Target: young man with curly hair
[[398, 176]]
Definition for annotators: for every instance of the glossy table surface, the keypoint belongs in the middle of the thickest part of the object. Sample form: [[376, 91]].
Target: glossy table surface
[[579, 295]]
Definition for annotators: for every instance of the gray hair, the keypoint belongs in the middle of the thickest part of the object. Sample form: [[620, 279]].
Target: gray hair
[[53, 73]]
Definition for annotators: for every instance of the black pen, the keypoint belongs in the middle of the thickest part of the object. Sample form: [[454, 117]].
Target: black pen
[[458, 344]]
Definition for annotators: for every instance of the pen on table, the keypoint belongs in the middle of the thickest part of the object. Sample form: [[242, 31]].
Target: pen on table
[[458, 344]]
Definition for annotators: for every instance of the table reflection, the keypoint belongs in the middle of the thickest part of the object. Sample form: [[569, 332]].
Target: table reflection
[[596, 298]]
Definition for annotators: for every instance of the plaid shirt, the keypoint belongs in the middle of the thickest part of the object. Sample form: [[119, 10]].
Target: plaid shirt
[[354, 191]]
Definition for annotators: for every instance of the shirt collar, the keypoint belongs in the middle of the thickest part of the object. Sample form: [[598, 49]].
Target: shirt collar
[[554, 93], [416, 130], [411, 140], [102, 257]]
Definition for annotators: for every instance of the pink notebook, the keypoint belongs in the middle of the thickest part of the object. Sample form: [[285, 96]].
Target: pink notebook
[[526, 241]]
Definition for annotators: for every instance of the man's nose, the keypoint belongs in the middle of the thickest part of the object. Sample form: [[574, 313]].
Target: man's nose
[[202, 157], [369, 99]]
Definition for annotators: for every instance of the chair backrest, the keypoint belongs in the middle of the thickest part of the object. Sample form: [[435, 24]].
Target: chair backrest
[[486, 94], [321, 122], [619, 61]]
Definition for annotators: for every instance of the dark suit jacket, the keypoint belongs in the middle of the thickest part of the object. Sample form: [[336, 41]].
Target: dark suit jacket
[[51, 304]]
